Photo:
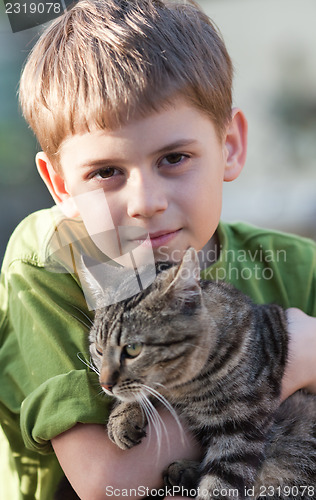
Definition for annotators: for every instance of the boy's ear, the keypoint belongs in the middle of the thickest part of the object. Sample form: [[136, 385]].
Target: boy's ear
[[55, 183], [235, 146]]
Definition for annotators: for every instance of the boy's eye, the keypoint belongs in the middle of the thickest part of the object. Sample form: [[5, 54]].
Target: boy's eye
[[173, 159], [105, 173]]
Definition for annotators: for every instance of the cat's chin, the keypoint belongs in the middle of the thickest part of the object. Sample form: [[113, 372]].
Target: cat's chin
[[125, 398], [108, 393]]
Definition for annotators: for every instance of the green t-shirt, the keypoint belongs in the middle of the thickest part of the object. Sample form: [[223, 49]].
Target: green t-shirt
[[45, 387]]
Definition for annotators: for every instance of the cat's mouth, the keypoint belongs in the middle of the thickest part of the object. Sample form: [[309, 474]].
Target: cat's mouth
[[131, 391], [128, 396], [127, 391]]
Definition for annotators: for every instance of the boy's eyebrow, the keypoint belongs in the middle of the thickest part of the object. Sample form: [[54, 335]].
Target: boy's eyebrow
[[164, 149], [176, 145]]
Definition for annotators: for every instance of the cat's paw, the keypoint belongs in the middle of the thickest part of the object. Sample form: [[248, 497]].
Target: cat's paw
[[126, 425], [183, 473]]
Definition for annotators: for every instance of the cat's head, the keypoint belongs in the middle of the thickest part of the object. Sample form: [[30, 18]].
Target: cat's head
[[156, 338]]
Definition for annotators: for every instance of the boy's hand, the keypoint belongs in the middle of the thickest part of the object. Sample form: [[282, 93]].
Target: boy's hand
[[97, 468], [300, 372]]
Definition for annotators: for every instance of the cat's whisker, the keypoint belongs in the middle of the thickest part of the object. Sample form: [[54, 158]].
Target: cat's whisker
[[88, 326], [161, 422], [149, 417], [168, 406], [83, 314], [157, 423], [160, 385], [146, 415], [149, 410], [89, 364]]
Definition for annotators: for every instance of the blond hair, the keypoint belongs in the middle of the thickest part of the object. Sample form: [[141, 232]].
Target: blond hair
[[105, 61]]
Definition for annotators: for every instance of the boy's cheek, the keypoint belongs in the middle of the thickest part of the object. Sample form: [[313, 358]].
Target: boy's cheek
[[69, 208]]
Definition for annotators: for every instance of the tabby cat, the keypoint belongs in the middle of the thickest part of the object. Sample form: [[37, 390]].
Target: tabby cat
[[218, 359]]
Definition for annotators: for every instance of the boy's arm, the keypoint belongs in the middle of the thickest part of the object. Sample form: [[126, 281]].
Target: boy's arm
[[92, 462], [301, 368], [96, 467]]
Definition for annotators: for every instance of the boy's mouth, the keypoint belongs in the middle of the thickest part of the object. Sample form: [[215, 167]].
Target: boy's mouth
[[157, 239]]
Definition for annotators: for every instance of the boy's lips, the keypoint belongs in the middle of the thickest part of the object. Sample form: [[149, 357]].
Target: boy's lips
[[157, 239]]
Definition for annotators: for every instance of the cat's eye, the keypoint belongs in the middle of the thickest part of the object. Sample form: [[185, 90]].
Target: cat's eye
[[132, 350], [99, 352]]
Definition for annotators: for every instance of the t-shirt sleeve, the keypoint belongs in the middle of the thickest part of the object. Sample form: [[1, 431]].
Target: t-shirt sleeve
[[294, 270], [269, 266], [291, 262], [46, 341]]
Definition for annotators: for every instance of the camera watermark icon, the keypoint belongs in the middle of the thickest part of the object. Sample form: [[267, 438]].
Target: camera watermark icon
[[25, 14], [112, 262]]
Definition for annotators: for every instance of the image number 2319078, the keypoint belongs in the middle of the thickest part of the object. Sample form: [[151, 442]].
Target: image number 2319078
[[24, 15]]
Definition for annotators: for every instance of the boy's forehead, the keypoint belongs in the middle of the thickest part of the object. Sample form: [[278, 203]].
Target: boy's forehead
[[178, 123]]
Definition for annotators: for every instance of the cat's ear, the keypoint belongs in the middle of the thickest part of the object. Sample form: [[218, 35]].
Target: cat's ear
[[96, 277], [186, 283], [107, 283]]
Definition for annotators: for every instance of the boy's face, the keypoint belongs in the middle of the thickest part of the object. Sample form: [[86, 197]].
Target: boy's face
[[159, 176]]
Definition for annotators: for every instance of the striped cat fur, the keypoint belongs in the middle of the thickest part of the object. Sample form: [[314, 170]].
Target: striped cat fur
[[215, 357]]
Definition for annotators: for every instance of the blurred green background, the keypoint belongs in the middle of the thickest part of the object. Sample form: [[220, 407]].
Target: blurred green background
[[21, 189], [273, 47]]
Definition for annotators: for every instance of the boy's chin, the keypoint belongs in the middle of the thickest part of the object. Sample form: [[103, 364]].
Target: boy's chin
[[167, 254]]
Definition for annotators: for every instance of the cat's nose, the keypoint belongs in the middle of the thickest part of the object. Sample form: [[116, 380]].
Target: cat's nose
[[108, 378], [107, 386]]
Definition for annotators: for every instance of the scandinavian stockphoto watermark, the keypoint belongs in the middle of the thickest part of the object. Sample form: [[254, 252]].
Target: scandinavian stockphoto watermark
[[258, 263], [24, 14]]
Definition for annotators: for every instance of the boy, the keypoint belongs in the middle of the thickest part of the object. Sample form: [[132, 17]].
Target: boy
[[131, 103]]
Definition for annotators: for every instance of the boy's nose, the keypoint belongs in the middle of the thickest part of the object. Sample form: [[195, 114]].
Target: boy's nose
[[146, 198]]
